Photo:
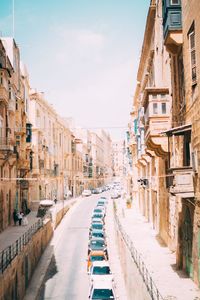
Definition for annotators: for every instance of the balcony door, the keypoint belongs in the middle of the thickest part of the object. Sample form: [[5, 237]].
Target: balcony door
[[187, 150], [187, 235]]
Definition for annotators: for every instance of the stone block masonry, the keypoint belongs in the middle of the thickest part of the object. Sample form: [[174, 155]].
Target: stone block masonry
[[15, 279]]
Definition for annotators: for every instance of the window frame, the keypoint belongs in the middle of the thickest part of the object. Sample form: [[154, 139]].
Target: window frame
[[174, 4], [192, 51]]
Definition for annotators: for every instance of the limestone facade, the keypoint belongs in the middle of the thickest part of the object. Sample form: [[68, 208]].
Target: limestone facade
[[164, 135], [41, 155]]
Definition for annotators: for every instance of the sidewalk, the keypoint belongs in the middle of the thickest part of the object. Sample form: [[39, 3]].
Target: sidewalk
[[159, 260], [13, 233]]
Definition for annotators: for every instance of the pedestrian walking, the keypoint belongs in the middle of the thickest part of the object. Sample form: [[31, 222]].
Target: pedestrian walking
[[20, 216], [15, 217]]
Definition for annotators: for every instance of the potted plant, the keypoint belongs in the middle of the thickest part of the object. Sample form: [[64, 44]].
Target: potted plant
[[128, 202]]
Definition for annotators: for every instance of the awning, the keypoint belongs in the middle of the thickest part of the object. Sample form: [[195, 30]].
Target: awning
[[178, 130]]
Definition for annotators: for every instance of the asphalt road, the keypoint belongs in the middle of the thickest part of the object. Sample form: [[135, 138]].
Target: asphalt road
[[66, 277]]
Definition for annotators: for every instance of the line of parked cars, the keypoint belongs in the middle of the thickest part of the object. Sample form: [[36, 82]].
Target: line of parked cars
[[98, 190], [102, 286]]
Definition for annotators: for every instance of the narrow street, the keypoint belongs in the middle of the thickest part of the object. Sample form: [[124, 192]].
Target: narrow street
[[100, 150], [66, 277]]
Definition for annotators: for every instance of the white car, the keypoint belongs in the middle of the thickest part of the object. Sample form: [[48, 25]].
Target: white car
[[100, 270], [86, 193], [103, 289]]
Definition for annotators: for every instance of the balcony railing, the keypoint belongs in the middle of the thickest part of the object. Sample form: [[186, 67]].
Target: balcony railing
[[6, 144], [8, 254]]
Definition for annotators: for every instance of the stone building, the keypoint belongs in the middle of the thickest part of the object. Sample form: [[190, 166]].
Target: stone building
[[118, 158], [182, 38], [15, 134], [52, 151], [164, 130]]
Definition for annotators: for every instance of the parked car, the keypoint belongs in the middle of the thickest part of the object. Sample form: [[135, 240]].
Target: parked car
[[103, 289], [100, 270], [96, 226], [97, 244], [101, 202], [98, 216], [95, 191], [86, 193], [97, 220], [97, 255], [100, 210], [97, 234]]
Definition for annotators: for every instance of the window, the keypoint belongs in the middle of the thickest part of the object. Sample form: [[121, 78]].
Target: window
[[192, 50], [1, 78], [175, 2], [155, 108], [164, 108]]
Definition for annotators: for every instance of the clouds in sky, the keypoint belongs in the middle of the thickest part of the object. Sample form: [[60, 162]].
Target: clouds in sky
[[82, 54]]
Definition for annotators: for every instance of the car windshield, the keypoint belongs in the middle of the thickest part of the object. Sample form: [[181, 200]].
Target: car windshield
[[97, 216], [102, 294], [98, 234], [98, 210], [101, 270], [97, 258], [97, 226]]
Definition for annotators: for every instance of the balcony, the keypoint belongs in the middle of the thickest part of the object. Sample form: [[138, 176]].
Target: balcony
[[183, 185], [172, 24], [156, 119], [3, 94], [6, 144]]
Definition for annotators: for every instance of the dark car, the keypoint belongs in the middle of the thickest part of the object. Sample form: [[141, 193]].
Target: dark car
[[97, 234], [96, 226], [97, 244]]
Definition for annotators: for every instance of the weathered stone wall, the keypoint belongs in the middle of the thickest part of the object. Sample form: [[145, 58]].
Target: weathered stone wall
[[15, 279], [135, 287], [190, 10]]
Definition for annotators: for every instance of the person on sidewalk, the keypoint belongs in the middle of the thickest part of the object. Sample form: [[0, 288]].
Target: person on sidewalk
[[24, 221], [20, 217], [15, 217]]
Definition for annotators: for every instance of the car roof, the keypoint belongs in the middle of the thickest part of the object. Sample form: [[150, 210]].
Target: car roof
[[105, 282], [97, 221], [103, 263]]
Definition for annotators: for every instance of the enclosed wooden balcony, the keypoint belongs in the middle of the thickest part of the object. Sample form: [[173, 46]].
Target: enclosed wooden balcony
[[6, 144], [172, 24], [156, 119], [181, 162], [183, 182]]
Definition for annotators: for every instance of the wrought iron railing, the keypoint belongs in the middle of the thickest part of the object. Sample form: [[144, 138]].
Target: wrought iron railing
[[9, 253], [148, 281]]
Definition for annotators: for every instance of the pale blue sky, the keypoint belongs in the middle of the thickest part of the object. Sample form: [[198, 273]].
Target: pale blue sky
[[83, 54]]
